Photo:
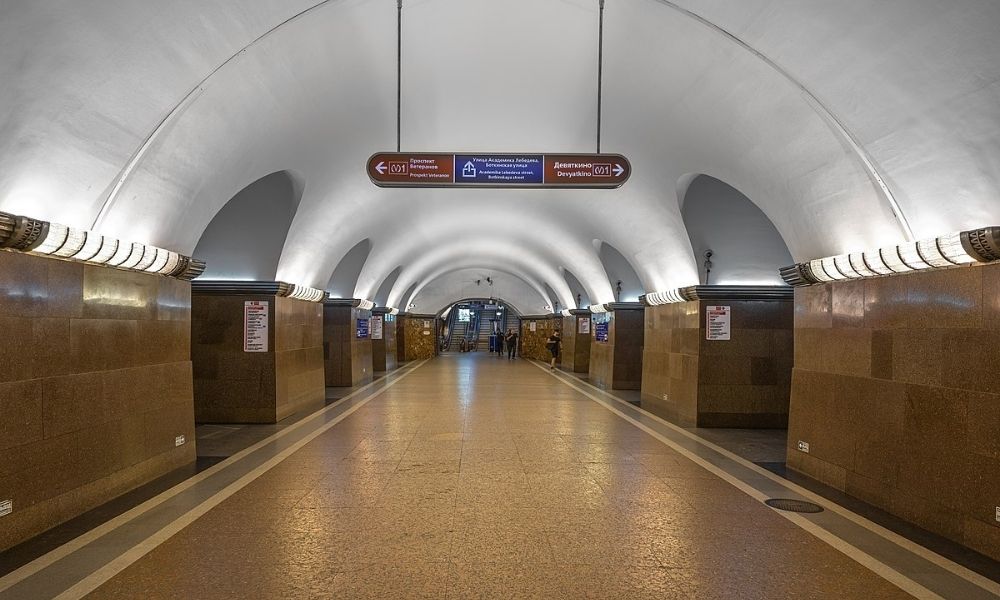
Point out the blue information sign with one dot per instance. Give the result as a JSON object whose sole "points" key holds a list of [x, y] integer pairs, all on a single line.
{"points": [[503, 169], [601, 331], [362, 329]]}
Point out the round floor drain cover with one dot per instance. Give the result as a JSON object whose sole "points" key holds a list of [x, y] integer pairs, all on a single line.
{"points": [[799, 506]]}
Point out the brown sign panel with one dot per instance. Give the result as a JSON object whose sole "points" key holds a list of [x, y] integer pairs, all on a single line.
{"points": [[586, 170], [405, 170], [499, 170]]}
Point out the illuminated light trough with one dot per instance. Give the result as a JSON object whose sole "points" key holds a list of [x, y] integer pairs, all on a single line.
{"points": [[952, 250], [34, 236]]}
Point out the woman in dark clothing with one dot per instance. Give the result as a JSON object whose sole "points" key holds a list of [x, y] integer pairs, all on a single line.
{"points": [[554, 345]]}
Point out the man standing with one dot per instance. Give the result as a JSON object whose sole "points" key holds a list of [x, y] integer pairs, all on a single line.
{"points": [[554, 345], [511, 339]]}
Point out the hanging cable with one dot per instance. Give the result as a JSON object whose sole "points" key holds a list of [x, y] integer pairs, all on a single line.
{"points": [[600, 70], [399, 72]]}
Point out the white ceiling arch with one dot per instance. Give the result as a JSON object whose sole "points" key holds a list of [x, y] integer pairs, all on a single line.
{"points": [[170, 109], [459, 284]]}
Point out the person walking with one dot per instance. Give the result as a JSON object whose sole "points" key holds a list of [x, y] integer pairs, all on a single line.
{"points": [[511, 339], [498, 343], [554, 346]]}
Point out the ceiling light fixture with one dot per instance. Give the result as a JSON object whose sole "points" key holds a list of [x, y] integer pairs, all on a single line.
{"points": [[952, 250], [34, 236]]}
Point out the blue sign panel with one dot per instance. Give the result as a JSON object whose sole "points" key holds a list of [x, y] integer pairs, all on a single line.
{"points": [[362, 329], [601, 331], [505, 169]]}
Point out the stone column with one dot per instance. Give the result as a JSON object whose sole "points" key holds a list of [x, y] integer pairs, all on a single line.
{"points": [[694, 378], [417, 337], [616, 362], [384, 348], [535, 332], [347, 344], [255, 369], [577, 337]]}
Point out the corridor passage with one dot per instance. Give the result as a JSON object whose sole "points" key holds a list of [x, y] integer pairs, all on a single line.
{"points": [[476, 477]]}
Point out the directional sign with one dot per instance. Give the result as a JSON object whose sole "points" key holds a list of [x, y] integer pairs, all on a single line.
{"points": [[394, 169]]}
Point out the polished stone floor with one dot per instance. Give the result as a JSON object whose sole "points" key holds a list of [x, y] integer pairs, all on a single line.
{"points": [[490, 479]]}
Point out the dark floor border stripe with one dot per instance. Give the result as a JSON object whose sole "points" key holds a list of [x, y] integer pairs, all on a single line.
{"points": [[915, 569], [80, 566]]}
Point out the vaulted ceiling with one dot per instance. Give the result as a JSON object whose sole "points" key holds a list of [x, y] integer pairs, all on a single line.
{"points": [[851, 125]]}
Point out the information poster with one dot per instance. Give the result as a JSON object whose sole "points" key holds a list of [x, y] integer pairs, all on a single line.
{"points": [[601, 331], [427, 324], [362, 333], [376, 328], [533, 326], [583, 325], [255, 326], [717, 326]]}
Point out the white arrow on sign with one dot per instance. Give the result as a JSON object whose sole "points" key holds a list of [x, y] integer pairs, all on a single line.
{"points": [[619, 170], [380, 168]]}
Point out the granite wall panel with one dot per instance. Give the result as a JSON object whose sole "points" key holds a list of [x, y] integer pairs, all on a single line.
{"points": [[233, 386], [348, 358], [617, 363], [384, 350], [741, 382], [95, 385], [576, 345], [895, 388]]}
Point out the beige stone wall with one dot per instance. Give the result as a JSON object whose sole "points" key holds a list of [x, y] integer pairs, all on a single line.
{"points": [[415, 343], [896, 390], [348, 359], [233, 386], [532, 343], [95, 385]]}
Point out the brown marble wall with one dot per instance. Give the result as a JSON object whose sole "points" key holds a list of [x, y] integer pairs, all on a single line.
{"points": [[576, 345], [95, 385], [384, 350], [416, 341], [895, 389], [348, 358], [532, 344], [670, 361], [742, 382], [617, 363], [233, 386]]}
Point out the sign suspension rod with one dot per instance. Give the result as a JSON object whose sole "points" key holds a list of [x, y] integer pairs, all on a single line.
{"points": [[600, 70]]}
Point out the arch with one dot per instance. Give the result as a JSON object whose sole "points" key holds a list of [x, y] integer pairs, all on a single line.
{"points": [[746, 247], [244, 239], [447, 288], [576, 288], [382, 294], [553, 298], [619, 269], [444, 310], [345, 277]]}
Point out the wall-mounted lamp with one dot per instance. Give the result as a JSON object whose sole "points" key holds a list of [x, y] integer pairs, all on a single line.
{"points": [[365, 304], [668, 297], [34, 236], [952, 250], [309, 294], [566, 312], [597, 308]]}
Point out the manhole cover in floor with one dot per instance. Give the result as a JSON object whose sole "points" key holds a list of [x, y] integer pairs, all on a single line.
{"points": [[800, 506]]}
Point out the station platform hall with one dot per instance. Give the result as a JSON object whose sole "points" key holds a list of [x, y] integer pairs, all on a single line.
{"points": [[609, 299]]}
